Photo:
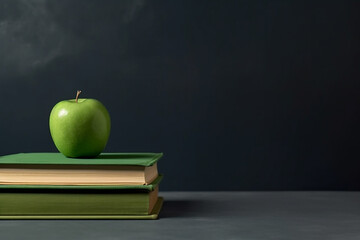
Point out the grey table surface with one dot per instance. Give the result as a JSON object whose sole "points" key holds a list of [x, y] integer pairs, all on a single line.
{"points": [[216, 215]]}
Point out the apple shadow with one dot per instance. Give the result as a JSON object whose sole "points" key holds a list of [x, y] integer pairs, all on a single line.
{"points": [[123, 156]]}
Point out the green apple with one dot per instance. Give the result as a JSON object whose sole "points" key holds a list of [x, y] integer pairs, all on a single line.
{"points": [[80, 127]]}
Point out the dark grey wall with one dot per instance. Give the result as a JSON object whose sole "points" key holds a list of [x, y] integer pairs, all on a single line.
{"points": [[239, 95]]}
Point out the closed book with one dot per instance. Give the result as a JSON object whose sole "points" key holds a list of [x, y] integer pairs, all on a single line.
{"points": [[152, 216], [112, 169], [75, 202]]}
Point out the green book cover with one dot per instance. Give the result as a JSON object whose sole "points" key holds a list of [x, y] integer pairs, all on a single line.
{"points": [[152, 216], [76, 202], [133, 159]]}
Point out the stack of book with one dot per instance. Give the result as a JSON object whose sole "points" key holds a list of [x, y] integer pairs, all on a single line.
{"points": [[51, 186]]}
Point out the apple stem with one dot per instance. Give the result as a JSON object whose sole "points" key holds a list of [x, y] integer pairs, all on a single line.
{"points": [[77, 95]]}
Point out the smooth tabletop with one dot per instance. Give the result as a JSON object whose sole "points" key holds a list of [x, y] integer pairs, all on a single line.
{"points": [[216, 215]]}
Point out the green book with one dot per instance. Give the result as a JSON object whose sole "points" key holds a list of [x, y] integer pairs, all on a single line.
{"points": [[56, 202], [153, 215], [148, 187], [112, 169]]}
